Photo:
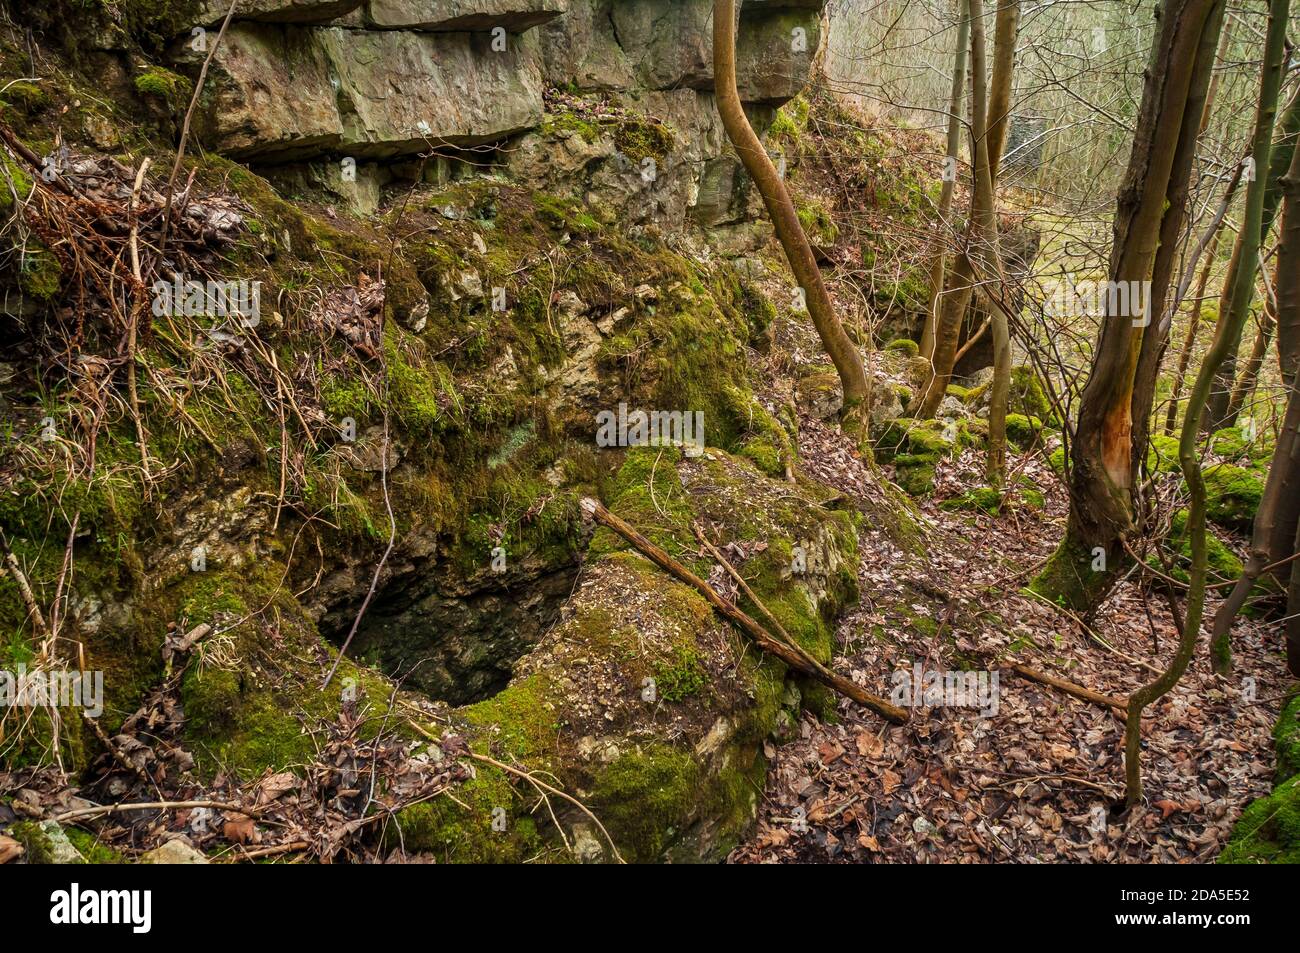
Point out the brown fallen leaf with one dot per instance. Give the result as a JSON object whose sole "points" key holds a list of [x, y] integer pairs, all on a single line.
{"points": [[10, 849], [239, 829]]}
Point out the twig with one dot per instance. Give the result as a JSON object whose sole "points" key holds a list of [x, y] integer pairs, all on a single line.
{"points": [[105, 809], [185, 129], [746, 623]]}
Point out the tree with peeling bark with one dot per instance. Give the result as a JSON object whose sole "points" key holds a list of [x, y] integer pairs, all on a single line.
{"points": [[839, 346], [1188, 445], [1111, 431]]}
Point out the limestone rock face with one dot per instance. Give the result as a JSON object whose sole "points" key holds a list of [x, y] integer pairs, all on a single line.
{"points": [[668, 44], [212, 12], [448, 15], [280, 92]]}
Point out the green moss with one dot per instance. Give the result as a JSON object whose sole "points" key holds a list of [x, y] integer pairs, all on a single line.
{"points": [[14, 180], [1269, 829], [91, 849], [458, 827], [170, 88], [643, 138], [1056, 460], [1023, 431], [1286, 740], [1232, 495], [646, 797], [521, 719], [648, 493], [1027, 396], [1231, 444], [817, 221], [27, 97], [40, 273], [1068, 578], [904, 346], [1222, 565], [984, 498], [681, 676], [36, 843], [1162, 455]]}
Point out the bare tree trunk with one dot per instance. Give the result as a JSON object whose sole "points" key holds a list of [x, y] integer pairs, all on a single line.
{"points": [[1084, 567], [950, 176], [1276, 518], [785, 220], [1188, 456], [981, 254], [1194, 318], [986, 226], [1262, 198], [1232, 319], [1155, 338], [1214, 235], [1245, 385], [1006, 31], [1287, 517]]}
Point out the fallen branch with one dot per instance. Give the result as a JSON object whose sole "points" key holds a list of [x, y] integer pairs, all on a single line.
{"points": [[82, 813], [746, 624], [1070, 688]]}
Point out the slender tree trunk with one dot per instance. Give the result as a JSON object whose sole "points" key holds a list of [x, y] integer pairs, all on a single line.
{"points": [[1232, 319], [986, 252], [1006, 32], [1245, 385], [1155, 338], [937, 266], [981, 253], [1293, 613], [1198, 305], [1084, 567], [785, 220], [1189, 457], [1262, 198], [1282, 540], [1214, 235], [1276, 518]]}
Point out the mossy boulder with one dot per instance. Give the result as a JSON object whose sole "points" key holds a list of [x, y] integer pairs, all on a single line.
{"points": [[1286, 740], [915, 448], [642, 700], [1222, 564], [1162, 455], [1023, 431], [1233, 494], [1242, 444], [1027, 396], [1269, 829]]}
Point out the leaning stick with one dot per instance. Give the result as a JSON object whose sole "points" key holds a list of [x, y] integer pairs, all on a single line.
{"points": [[1070, 688], [746, 624]]}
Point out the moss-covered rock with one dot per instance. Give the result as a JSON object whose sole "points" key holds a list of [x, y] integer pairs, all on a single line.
{"points": [[1222, 564], [641, 698], [1286, 740], [1027, 396], [1023, 431], [1233, 494], [1162, 455], [915, 448], [1269, 829]]}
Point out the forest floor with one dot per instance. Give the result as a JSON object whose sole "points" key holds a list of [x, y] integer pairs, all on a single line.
{"points": [[1035, 781]]}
